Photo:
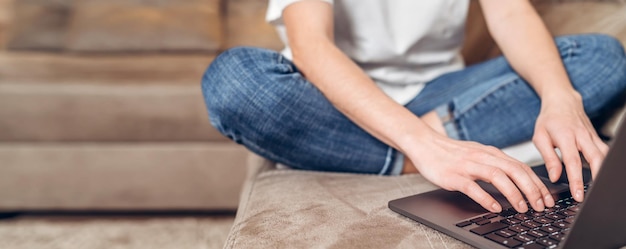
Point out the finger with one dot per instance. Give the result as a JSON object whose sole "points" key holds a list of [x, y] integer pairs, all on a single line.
{"points": [[591, 152], [573, 166], [535, 191], [500, 179], [548, 200], [476, 193], [601, 145], [546, 149], [528, 182], [604, 149]]}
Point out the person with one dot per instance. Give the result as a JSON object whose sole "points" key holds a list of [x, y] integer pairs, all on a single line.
{"points": [[379, 86]]}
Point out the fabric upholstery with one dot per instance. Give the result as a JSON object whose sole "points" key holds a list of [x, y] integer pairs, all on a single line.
{"points": [[120, 176], [303, 209]]}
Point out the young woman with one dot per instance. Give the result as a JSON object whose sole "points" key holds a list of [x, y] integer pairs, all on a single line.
{"points": [[379, 86]]}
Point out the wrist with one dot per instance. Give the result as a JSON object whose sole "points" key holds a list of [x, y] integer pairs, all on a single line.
{"points": [[411, 140], [418, 140], [551, 86], [560, 97]]}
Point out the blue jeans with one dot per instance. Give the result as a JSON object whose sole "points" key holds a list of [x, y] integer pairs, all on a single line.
{"points": [[259, 99]]}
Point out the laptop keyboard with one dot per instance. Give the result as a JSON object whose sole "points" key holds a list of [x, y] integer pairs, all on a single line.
{"points": [[526, 230]]}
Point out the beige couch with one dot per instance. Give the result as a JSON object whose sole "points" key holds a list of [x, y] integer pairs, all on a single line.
{"points": [[124, 128], [283, 208], [101, 108]]}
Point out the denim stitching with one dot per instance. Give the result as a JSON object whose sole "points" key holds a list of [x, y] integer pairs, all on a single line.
{"points": [[387, 161], [505, 81], [458, 114], [397, 165], [281, 60], [570, 46], [448, 121]]}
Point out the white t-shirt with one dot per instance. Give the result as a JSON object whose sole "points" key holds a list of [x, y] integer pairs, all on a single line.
{"points": [[400, 44]]}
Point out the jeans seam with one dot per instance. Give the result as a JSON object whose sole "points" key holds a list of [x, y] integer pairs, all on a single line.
{"points": [[397, 164], [570, 46], [458, 113], [388, 161], [281, 60], [511, 79], [449, 122]]}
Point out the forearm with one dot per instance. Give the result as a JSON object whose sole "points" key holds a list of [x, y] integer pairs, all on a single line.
{"points": [[562, 122], [354, 94], [530, 48], [310, 32]]}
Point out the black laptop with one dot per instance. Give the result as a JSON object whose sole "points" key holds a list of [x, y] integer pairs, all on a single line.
{"points": [[598, 222]]}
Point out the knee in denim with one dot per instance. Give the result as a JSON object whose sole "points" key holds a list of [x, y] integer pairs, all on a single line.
{"points": [[224, 88]]}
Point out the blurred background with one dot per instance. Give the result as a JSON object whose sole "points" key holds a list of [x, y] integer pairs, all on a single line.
{"points": [[104, 137]]}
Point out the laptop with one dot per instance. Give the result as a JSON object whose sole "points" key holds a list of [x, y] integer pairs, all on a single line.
{"points": [[598, 222]]}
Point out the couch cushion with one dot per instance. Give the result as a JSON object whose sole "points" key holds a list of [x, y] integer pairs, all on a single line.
{"points": [[74, 112], [246, 26], [38, 24], [585, 17], [145, 25], [120, 176], [117, 25], [284, 208], [57, 97], [561, 17]]}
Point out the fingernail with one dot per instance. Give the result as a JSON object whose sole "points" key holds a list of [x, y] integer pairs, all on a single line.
{"points": [[549, 200], [579, 195], [522, 206], [495, 208], [540, 205]]}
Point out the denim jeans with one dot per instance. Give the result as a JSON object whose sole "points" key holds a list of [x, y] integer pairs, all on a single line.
{"points": [[259, 99]]}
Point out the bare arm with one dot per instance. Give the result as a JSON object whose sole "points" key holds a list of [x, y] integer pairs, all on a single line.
{"points": [[453, 165], [562, 122], [310, 33]]}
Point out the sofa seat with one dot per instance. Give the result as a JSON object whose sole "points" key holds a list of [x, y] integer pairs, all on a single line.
{"points": [[285, 208]]}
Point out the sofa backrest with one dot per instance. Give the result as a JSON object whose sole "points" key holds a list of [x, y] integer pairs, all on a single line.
{"points": [[560, 16]]}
